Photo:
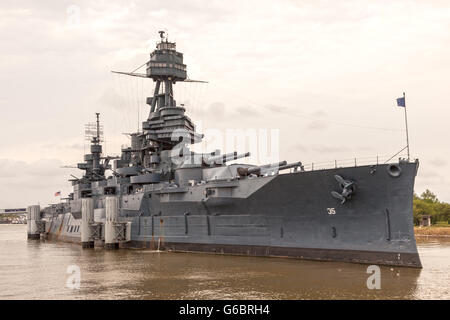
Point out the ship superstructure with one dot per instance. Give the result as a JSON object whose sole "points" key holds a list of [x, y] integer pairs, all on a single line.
{"points": [[162, 195]]}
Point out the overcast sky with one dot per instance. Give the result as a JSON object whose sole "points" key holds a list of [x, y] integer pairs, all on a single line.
{"points": [[324, 73]]}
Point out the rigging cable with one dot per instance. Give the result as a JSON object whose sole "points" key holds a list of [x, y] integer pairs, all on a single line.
{"points": [[314, 118]]}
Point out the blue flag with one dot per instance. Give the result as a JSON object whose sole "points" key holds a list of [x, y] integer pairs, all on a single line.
{"points": [[401, 102]]}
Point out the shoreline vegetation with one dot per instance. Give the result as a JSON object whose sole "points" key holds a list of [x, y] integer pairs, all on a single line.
{"points": [[428, 209]]}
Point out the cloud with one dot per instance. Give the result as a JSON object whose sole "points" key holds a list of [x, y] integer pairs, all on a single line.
{"points": [[428, 175], [300, 147], [24, 183], [434, 180], [317, 125], [246, 112], [438, 162], [58, 146], [319, 114], [112, 99], [275, 108], [330, 149], [18, 170], [216, 109], [158, 13], [217, 112]]}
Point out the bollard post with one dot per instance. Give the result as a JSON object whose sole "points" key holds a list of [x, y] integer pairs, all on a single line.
{"points": [[112, 216], [87, 218]]}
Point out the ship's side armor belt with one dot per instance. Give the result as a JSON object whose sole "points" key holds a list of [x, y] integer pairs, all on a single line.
{"points": [[348, 188]]}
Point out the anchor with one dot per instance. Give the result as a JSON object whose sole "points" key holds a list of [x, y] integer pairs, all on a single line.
{"points": [[348, 188]]}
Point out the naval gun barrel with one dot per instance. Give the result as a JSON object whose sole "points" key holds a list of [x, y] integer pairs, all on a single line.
{"points": [[268, 168], [283, 166], [273, 165], [257, 170], [292, 165], [221, 159]]}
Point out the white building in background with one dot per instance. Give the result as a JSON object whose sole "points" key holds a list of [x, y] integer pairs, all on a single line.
{"points": [[18, 211]]}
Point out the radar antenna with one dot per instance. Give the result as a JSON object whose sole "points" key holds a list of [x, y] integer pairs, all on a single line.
{"points": [[98, 126], [161, 34], [93, 131]]}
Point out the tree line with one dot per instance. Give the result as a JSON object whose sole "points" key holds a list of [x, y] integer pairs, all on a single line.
{"points": [[428, 204]]}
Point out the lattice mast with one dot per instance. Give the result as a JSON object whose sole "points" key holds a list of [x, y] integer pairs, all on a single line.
{"points": [[92, 166]]}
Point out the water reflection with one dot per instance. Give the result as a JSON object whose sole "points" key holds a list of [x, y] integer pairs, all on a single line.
{"points": [[37, 270]]}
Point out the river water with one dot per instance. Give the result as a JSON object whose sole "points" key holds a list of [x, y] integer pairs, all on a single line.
{"points": [[49, 270]]}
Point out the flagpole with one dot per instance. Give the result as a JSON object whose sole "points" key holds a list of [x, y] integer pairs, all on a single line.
{"points": [[406, 123]]}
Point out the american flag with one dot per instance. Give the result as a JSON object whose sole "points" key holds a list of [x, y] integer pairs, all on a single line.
{"points": [[57, 194]]}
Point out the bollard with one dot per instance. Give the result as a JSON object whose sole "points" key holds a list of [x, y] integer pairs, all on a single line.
{"points": [[33, 217], [87, 218], [112, 216]]}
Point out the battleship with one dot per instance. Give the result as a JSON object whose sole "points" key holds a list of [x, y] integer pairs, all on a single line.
{"points": [[163, 196]]}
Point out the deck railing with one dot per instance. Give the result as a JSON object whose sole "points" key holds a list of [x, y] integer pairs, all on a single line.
{"points": [[350, 162]]}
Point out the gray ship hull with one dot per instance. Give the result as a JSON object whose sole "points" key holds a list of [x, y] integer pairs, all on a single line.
{"points": [[285, 215]]}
